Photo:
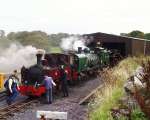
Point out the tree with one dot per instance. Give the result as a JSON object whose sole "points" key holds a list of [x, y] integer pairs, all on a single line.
{"points": [[55, 39], [37, 39], [136, 34], [147, 36]]}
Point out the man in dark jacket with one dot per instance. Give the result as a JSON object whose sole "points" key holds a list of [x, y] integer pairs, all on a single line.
{"points": [[63, 80]]}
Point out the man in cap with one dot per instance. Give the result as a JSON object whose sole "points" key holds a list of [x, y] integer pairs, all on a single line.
{"points": [[63, 80]]}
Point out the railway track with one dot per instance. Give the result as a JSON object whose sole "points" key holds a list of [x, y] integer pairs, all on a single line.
{"points": [[10, 110], [3, 95], [86, 99]]}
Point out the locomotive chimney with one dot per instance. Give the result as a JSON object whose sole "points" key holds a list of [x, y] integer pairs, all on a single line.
{"points": [[39, 55], [79, 50], [39, 59]]}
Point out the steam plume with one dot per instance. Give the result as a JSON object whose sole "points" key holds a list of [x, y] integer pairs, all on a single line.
{"points": [[15, 56], [72, 43]]}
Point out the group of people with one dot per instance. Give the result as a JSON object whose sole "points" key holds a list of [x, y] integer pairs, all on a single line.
{"points": [[49, 83], [12, 86]]}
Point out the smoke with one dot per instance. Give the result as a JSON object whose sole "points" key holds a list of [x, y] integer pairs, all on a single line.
{"points": [[72, 43], [15, 56]]}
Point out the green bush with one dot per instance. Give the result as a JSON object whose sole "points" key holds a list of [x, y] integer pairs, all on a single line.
{"points": [[138, 115]]}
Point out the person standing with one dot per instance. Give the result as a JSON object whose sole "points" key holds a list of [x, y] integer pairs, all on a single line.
{"points": [[49, 83], [63, 80], [12, 88]]}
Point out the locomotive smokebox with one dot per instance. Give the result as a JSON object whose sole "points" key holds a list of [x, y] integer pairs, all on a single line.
{"points": [[79, 50], [39, 55]]}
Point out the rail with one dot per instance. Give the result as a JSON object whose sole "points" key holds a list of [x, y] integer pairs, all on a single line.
{"points": [[3, 95], [9, 110], [86, 99]]}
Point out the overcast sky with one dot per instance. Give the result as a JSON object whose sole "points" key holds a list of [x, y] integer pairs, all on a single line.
{"points": [[75, 16]]}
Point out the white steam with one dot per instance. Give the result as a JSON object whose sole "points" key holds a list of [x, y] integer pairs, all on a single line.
{"points": [[72, 43], [15, 56]]}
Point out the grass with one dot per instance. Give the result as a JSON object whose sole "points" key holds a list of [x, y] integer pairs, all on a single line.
{"points": [[102, 112], [114, 80]]}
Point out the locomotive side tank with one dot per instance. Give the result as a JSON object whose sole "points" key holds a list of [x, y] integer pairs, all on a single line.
{"points": [[93, 59]]}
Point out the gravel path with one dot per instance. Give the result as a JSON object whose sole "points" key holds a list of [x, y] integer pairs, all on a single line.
{"points": [[67, 104]]}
